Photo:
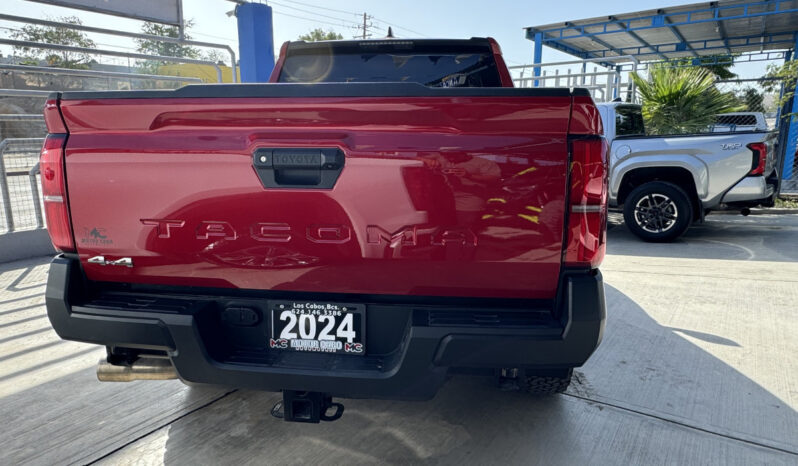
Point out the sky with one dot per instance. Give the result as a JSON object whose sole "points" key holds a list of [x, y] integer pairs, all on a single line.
{"points": [[503, 20]]}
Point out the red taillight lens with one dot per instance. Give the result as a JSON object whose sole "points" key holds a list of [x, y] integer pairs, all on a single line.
{"points": [[494, 46], [587, 215], [760, 150], [51, 166]]}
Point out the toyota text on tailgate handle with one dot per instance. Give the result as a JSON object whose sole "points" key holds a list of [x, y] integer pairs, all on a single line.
{"points": [[305, 168]]}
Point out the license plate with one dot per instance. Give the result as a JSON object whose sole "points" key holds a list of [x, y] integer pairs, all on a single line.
{"points": [[318, 327]]}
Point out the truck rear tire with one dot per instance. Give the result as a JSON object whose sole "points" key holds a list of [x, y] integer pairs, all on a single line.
{"points": [[658, 211], [549, 384]]}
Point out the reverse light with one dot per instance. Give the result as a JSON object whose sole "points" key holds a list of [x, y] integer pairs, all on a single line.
{"points": [[760, 159], [587, 207], [51, 166]]}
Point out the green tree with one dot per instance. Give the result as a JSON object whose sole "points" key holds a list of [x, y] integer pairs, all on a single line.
{"points": [[752, 99], [166, 49], [718, 65], [787, 76], [54, 35], [215, 56], [720, 70], [320, 34], [680, 100]]}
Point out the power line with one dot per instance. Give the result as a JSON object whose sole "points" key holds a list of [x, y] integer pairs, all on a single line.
{"points": [[312, 12], [395, 26], [310, 19], [399, 27], [324, 8], [212, 36]]}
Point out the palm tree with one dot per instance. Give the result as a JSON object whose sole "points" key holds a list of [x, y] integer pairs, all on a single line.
{"points": [[680, 100]]}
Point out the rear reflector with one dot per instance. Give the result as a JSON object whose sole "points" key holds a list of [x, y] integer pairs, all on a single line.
{"points": [[587, 216], [51, 166], [760, 150]]}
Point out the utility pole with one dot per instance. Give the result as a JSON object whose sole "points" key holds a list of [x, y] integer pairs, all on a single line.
{"points": [[366, 25]]}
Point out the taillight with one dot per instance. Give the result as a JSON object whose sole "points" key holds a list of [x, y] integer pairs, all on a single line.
{"points": [[760, 150], [587, 209], [52, 117], [51, 166], [494, 46]]}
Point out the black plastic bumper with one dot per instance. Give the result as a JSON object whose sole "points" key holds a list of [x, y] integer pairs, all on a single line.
{"points": [[416, 346]]}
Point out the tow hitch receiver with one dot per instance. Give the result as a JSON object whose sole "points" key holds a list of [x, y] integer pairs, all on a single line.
{"points": [[306, 407]]}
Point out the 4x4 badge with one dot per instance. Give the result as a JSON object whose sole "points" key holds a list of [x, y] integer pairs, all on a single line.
{"points": [[100, 260]]}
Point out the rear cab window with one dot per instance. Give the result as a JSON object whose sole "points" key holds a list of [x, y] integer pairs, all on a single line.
{"points": [[438, 64], [629, 121]]}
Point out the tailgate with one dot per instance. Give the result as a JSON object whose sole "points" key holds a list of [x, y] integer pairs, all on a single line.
{"points": [[437, 195]]}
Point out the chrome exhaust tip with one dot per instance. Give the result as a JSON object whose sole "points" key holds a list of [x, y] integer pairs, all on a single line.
{"points": [[141, 369]]}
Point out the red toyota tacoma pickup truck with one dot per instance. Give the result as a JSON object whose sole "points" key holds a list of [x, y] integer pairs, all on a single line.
{"points": [[407, 216]]}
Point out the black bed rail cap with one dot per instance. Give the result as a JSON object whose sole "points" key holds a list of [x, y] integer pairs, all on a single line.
{"points": [[281, 90]]}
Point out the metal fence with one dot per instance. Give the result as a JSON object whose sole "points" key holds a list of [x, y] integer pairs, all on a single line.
{"points": [[24, 88], [753, 105], [20, 192], [23, 91], [764, 95], [755, 95], [604, 83], [19, 77], [789, 185]]}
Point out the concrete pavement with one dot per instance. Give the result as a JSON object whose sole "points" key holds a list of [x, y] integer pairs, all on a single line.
{"points": [[697, 366]]}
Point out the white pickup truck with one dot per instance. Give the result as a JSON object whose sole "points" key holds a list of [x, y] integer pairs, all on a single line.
{"points": [[664, 183]]}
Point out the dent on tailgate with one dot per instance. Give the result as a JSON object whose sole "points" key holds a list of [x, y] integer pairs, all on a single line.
{"points": [[460, 196]]}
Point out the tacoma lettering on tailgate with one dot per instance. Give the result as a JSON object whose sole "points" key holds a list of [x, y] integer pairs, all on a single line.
{"points": [[320, 233]]}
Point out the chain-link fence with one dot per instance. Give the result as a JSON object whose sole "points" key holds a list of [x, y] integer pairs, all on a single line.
{"points": [[752, 96], [764, 95], [727, 107], [789, 185]]}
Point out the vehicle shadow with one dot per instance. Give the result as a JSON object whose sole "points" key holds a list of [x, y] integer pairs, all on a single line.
{"points": [[53, 409], [647, 396], [720, 236]]}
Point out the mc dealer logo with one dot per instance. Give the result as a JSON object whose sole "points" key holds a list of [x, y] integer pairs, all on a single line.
{"points": [[318, 233], [332, 345]]}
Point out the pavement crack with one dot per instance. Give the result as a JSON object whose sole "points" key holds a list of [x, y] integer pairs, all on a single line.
{"points": [[719, 277], [683, 424], [159, 427]]}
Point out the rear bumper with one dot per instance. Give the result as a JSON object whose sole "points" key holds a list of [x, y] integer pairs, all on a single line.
{"points": [[750, 188], [415, 352]]}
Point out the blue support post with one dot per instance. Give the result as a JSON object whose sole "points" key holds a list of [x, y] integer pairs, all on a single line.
{"points": [[255, 42], [791, 142], [538, 57]]}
